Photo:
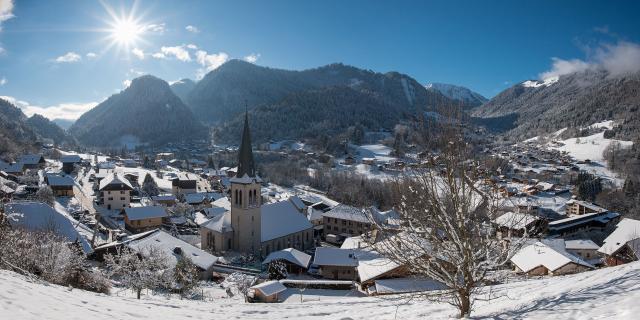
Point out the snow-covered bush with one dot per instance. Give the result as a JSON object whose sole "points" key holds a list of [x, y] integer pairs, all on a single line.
{"points": [[138, 271], [186, 275], [277, 270], [45, 194]]}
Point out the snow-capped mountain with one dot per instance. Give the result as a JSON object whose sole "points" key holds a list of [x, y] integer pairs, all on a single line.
{"points": [[465, 95]]}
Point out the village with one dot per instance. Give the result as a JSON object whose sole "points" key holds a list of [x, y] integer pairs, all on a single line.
{"points": [[270, 243]]}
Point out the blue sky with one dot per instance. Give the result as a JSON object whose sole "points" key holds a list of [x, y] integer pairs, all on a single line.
{"points": [[61, 57]]}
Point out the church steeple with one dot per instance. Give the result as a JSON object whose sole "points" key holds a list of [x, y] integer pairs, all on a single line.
{"points": [[245, 154]]}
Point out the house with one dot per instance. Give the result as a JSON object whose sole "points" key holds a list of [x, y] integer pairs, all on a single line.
{"points": [[12, 168], [513, 224], [349, 160], [115, 192], [176, 249], [345, 221], [140, 219], [62, 186], [69, 161], [337, 264], [165, 200], [37, 216], [597, 221], [585, 249], [623, 244], [201, 199], [184, 183], [547, 257], [295, 260], [267, 291], [578, 207], [251, 226], [32, 161]]}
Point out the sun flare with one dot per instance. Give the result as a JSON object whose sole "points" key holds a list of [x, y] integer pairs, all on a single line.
{"points": [[126, 32]]}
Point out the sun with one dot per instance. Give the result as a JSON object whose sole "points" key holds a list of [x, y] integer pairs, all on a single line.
{"points": [[126, 32]]}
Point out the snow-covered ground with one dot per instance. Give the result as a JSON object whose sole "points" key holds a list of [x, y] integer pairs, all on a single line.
{"points": [[610, 293], [378, 151], [590, 147]]}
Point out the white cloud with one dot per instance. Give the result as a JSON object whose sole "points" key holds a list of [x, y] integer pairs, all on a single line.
{"points": [[616, 59], [126, 83], [138, 53], [192, 29], [209, 61], [252, 57], [68, 57], [6, 10], [179, 52], [91, 55], [134, 73], [3, 81], [155, 28], [69, 111], [192, 46]]}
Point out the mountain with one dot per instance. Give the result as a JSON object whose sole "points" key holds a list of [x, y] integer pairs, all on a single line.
{"points": [[182, 88], [46, 128], [569, 101], [223, 93], [63, 123], [464, 95], [147, 112]]}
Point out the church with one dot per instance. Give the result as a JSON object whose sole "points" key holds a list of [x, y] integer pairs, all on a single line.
{"points": [[249, 225]]}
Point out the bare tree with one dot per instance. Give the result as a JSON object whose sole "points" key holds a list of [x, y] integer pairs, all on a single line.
{"points": [[138, 270], [446, 234], [45, 194]]}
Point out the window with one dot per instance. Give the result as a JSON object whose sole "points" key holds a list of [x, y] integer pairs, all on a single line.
{"points": [[122, 198], [240, 197], [344, 222], [121, 192], [236, 196], [110, 198]]}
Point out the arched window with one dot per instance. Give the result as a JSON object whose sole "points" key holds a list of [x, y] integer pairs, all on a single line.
{"points": [[236, 197], [240, 197], [250, 197]]}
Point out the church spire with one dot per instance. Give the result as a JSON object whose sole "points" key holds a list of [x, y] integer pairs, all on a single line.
{"points": [[245, 155]]}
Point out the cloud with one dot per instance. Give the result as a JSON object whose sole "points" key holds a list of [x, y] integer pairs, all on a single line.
{"points": [[192, 46], [252, 57], [134, 73], [6, 10], [616, 59], [3, 81], [91, 55], [155, 28], [209, 61], [69, 111], [192, 29], [68, 57], [179, 52], [126, 83], [138, 53]]}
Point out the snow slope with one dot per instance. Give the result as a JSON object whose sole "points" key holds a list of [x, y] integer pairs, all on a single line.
{"points": [[610, 293], [590, 147]]}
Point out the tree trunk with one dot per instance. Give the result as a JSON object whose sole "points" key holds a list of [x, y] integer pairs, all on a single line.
{"points": [[138, 292], [465, 303]]}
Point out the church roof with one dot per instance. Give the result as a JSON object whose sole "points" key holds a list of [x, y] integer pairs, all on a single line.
{"points": [[246, 165]]}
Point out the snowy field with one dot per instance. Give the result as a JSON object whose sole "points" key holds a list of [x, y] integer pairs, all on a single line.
{"points": [[610, 293], [378, 151], [590, 147]]}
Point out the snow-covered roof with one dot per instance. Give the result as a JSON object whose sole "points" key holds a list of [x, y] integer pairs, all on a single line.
{"points": [[588, 205], [245, 179], [345, 212], [115, 181], [11, 168], [627, 230], [222, 203], [297, 202], [514, 220], [220, 222], [580, 244], [335, 257], [55, 180], [70, 158], [280, 219], [544, 254], [30, 159], [148, 212], [164, 197], [292, 255], [199, 197], [371, 264], [270, 288], [168, 244], [407, 285], [38, 216]]}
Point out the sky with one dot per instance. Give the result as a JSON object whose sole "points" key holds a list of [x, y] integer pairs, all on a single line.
{"points": [[60, 58]]}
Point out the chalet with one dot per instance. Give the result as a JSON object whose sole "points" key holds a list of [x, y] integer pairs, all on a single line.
{"points": [[69, 162], [12, 168], [296, 261], [547, 257], [585, 249], [345, 221], [32, 161], [337, 264], [115, 192], [184, 183], [139, 219], [596, 221], [62, 186], [349, 160], [267, 291], [369, 161], [513, 224], [623, 244], [578, 207]]}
